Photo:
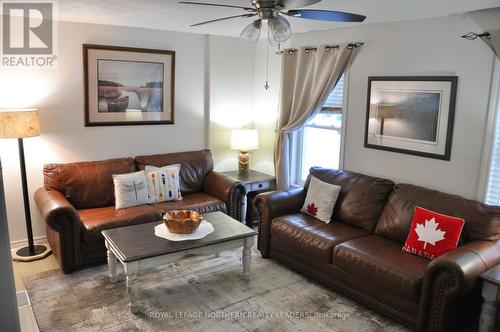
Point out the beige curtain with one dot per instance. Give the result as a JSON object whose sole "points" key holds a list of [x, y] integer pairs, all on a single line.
{"points": [[308, 77]]}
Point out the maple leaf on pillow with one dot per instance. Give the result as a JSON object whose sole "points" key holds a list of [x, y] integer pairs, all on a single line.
{"points": [[429, 233], [312, 209]]}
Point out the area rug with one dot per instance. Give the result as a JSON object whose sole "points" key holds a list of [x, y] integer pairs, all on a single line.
{"points": [[200, 294]]}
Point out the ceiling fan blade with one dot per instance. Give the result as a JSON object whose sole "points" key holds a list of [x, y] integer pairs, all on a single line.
{"points": [[216, 5], [325, 15], [223, 18], [296, 3]]}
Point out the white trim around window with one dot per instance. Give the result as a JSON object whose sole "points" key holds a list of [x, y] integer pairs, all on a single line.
{"points": [[344, 118], [491, 130]]}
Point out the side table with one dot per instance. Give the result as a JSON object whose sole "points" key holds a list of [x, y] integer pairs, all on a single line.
{"points": [[254, 182], [491, 295]]}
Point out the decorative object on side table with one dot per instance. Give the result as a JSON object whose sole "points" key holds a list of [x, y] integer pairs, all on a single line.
{"points": [[491, 294], [23, 123], [412, 115], [128, 86], [244, 140], [255, 183]]}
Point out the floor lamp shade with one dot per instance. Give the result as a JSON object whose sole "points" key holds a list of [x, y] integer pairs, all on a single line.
{"points": [[19, 123], [23, 123]]}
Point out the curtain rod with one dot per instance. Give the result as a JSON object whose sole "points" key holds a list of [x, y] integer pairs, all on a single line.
{"points": [[327, 47], [473, 35]]}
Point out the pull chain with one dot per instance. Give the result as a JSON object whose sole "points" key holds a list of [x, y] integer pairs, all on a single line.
{"points": [[267, 67]]}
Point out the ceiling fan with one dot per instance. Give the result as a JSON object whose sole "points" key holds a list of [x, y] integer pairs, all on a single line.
{"points": [[273, 12]]}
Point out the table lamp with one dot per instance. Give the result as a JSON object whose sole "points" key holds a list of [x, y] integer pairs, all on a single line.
{"points": [[244, 140], [23, 123]]}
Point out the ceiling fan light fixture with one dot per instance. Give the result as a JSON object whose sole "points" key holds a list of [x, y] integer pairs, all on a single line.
{"points": [[252, 31], [280, 29]]}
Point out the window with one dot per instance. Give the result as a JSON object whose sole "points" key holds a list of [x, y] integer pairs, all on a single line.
{"points": [[320, 140], [493, 185]]}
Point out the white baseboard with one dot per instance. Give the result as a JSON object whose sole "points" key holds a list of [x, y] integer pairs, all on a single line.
{"points": [[14, 245]]}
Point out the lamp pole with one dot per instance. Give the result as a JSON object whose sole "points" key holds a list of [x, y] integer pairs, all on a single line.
{"points": [[26, 199]]}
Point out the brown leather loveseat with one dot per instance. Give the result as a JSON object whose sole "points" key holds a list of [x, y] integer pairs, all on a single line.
{"points": [[77, 201], [360, 252]]}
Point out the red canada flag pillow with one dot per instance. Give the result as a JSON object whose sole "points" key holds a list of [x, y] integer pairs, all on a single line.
{"points": [[433, 234]]}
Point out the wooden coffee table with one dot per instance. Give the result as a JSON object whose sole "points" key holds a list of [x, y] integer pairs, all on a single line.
{"points": [[138, 248]]}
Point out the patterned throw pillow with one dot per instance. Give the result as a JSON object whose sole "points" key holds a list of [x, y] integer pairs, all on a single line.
{"points": [[432, 234], [130, 189], [320, 199], [163, 183]]}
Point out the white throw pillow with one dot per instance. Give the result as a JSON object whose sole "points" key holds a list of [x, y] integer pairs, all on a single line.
{"points": [[131, 189], [320, 199], [163, 183]]}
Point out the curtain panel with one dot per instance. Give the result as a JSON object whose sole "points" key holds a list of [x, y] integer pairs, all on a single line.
{"points": [[308, 77]]}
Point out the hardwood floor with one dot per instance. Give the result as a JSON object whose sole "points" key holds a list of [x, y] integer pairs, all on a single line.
{"points": [[24, 269]]}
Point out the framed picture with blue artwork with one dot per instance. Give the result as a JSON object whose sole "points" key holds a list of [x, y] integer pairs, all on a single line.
{"points": [[412, 115], [128, 86]]}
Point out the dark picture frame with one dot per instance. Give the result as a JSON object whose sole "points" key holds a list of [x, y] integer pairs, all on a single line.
{"points": [[411, 114], [127, 86]]}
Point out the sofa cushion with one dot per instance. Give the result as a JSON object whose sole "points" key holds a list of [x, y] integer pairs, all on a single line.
{"points": [[433, 234], [482, 222], [96, 220], [195, 165], [200, 202], [320, 199], [131, 189], [312, 236], [87, 184], [383, 264], [361, 197]]}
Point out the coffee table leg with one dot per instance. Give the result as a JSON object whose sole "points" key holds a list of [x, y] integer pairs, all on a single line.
{"points": [[111, 263], [247, 257], [131, 270]]}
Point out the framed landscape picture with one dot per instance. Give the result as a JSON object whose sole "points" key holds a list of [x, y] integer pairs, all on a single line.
{"points": [[412, 115], [128, 86]]}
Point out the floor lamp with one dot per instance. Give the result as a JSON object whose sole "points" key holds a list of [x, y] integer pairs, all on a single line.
{"points": [[23, 123]]}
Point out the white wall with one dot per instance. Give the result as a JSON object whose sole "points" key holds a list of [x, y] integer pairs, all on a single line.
{"points": [[266, 105], [422, 47], [231, 95], [58, 93]]}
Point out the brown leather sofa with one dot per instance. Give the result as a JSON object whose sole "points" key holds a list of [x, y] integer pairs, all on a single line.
{"points": [[77, 201], [359, 253]]}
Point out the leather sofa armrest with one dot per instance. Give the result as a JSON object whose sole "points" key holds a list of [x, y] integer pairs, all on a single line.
{"points": [[455, 274], [51, 203], [274, 204], [466, 263], [63, 219], [227, 190]]}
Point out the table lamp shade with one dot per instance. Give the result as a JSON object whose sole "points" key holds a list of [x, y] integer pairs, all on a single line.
{"points": [[19, 123], [244, 140]]}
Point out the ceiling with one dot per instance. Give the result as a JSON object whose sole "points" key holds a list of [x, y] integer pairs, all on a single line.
{"points": [[169, 15]]}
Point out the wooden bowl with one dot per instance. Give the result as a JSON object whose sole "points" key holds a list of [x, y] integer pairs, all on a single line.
{"points": [[182, 221]]}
